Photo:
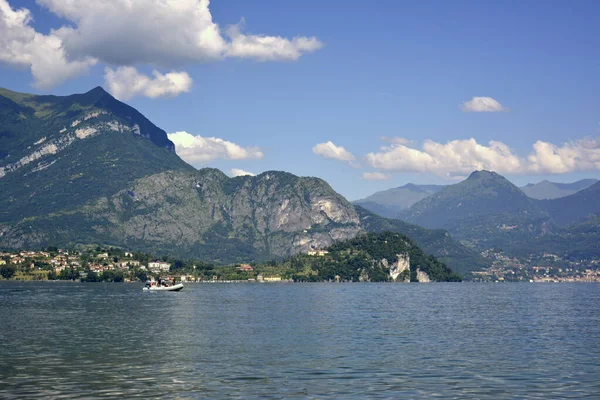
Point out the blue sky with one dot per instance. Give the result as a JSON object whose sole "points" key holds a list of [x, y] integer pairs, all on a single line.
{"points": [[384, 69]]}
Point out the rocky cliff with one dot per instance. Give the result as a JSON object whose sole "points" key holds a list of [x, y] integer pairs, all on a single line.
{"points": [[203, 214]]}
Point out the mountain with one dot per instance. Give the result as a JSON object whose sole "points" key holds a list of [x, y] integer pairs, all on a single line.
{"points": [[59, 152], [202, 214], [485, 210], [87, 168], [552, 190], [575, 208], [388, 203], [436, 242]]}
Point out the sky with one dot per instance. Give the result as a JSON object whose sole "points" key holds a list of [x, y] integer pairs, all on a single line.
{"points": [[366, 95]]}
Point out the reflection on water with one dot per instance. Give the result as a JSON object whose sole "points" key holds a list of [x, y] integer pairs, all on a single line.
{"points": [[71, 340]]}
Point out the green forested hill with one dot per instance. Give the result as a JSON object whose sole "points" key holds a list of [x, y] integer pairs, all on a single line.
{"points": [[375, 257], [436, 242]]}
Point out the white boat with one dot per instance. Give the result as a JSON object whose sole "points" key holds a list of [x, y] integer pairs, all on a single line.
{"points": [[155, 288]]}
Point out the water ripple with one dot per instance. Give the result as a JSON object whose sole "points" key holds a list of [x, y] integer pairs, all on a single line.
{"points": [[380, 341]]}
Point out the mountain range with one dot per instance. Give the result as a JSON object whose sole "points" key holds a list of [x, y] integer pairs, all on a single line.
{"points": [[546, 190], [389, 203], [487, 211], [392, 202], [89, 169]]}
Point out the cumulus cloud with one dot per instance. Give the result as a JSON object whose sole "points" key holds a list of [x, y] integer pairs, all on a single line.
{"points": [[127, 82], [44, 55], [453, 158], [268, 48], [580, 155], [460, 157], [375, 176], [483, 104], [330, 150], [168, 34], [240, 172], [200, 150]]}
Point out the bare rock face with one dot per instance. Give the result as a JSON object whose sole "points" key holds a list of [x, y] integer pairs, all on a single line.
{"points": [[273, 214], [422, 276], [402, 264]]}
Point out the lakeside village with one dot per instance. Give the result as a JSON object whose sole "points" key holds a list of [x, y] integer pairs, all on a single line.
{"points": [[116, 265], [546, 267]]}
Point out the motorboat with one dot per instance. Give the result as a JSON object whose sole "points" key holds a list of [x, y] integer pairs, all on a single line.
{"points": [[164, 286]]}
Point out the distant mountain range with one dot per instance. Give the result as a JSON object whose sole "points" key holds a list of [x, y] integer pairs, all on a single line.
{"points": [[389, 203], [89, 169], [547, 190], [487, 211]]}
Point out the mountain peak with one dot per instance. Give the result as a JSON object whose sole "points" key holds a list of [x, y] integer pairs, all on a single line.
{"points": [[484, 174], [97, 90]]}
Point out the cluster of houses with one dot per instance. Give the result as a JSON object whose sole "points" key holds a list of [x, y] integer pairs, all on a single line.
{"points": [[62, 259]]}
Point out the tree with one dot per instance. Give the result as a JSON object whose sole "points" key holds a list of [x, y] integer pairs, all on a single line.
{"points": [[7, 271]]}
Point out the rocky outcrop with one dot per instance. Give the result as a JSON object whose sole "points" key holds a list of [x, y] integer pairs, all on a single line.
{"points": [[422, 276], [397, 268]]}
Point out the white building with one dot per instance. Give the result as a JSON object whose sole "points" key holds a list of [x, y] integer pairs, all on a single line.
{"points": [[158, 266]]}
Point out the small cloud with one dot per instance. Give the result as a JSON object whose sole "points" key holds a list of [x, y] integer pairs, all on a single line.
{"points": [[330, 150], [483, 104], [375, 176], [126, 82], [396, 140], [200, 150], [240, 172]]}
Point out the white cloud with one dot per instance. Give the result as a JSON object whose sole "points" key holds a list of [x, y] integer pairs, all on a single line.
{"points": [[268, 48], [127, 82], [453, 158], [240, 172], [375, 176], [200, 150], [164, 33], [483, 104], [580, 155], [396, 140], [460, 157], [22, 47], [330, 150]]}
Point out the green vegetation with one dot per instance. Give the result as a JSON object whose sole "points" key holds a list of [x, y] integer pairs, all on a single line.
{"points": [[436, 242], [368, 257]]}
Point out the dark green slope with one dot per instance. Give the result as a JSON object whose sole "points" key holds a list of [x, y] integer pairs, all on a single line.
{"points": [[436, 242], [63, 170], [575, 208], [486, 210], [364, 249]]}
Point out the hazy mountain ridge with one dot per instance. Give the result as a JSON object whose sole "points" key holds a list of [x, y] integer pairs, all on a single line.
{"points": [[487, 211], [547, 190], [388, 203], [392, 202]]}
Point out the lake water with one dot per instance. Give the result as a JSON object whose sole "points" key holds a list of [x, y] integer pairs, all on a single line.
{"points": [[388, 341]]}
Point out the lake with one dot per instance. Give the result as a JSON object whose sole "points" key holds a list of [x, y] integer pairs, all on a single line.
{"points": [[354, 340]]}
